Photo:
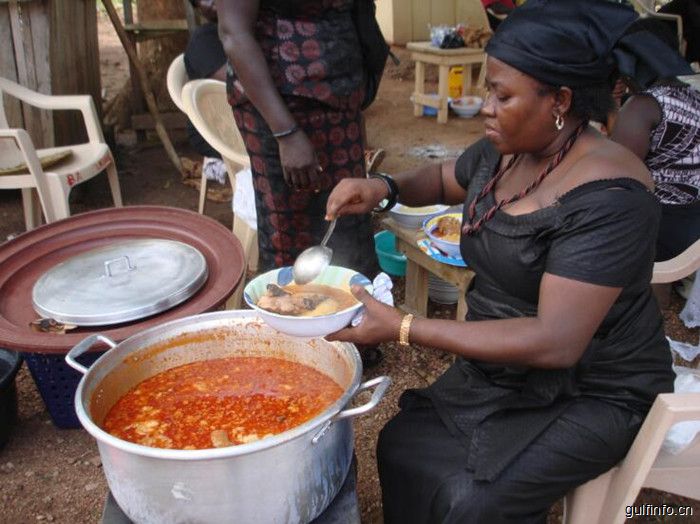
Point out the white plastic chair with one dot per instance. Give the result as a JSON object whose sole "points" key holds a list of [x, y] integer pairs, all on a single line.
{"points": [[176, 80], [645, 10], [206, 105], [680, 266], [54, 183], [473, 13], [603, 500]]}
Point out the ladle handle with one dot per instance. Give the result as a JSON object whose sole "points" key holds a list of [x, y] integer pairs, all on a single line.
{"points": [[328, 234]]}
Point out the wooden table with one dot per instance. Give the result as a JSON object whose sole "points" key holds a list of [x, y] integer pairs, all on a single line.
{"points": [[419, 265], [425, 53]]}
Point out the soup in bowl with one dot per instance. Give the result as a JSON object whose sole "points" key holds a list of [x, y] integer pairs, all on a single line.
{"points": [[413, 217], [316, 309]]}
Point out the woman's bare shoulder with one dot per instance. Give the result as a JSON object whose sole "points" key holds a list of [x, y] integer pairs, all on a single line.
{"points": [[605, 159]]}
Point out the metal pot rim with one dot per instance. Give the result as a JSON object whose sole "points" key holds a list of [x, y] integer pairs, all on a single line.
{"points": [[176, 327]]}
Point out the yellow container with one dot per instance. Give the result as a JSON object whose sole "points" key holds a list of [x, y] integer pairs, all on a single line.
{"points": [[454, 81]]}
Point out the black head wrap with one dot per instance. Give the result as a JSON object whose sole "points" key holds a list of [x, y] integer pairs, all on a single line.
{"points": [[562, 42], [648, 51]]}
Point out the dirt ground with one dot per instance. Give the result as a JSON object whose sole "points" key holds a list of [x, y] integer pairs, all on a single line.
{"points": [[54, 475]]}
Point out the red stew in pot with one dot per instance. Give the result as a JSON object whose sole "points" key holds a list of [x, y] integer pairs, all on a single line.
{"points": [[221, 402]]}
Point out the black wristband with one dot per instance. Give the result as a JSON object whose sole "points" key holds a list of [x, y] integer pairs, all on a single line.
{"points": [[393, 195], [286, 132]]}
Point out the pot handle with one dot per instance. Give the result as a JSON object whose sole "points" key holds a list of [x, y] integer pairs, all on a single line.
{"points": [[83, 346], [382, 384]]}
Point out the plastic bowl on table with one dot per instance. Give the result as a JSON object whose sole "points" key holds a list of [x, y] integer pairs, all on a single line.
{"points": [[390, 260], [319, 326], [451, 249], [413, 217], [466, 106], [428, 110]]}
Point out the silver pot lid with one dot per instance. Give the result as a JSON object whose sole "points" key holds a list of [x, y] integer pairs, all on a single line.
{"points": [[119, 283]]}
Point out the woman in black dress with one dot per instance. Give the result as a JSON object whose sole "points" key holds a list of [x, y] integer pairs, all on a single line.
{"points": [[563, 351]]}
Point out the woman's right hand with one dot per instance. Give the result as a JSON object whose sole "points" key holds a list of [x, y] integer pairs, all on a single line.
{"points": [[355, 196], [299, 162]]}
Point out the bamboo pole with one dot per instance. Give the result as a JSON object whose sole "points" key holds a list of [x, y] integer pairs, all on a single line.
{"points": [[145, 86]]}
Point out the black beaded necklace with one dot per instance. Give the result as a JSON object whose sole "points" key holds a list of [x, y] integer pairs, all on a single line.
{"points": [[472, 227]]}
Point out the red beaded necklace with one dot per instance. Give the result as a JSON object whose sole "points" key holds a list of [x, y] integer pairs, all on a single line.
{"points": [[472, 227]]}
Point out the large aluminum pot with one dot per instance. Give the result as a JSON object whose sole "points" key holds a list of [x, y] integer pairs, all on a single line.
{"points": [[288, 478]]}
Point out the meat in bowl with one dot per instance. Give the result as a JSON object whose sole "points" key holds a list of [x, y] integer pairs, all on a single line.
{"points": [[308, 300]]}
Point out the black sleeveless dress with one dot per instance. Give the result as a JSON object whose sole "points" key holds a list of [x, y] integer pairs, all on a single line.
{"points": [[494, 443]]}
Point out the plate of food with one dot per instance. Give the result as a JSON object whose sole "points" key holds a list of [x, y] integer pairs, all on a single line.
{"points": [[443, 232], [429, 249], [316, 309]]}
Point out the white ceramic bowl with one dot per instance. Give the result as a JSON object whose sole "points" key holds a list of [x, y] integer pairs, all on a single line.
{"points": [[451, 249], [466, 106], [413, 217], [442, 292], [334, 276]]}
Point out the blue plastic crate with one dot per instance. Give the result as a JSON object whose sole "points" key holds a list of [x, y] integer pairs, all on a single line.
{"points": [[57, 382]]}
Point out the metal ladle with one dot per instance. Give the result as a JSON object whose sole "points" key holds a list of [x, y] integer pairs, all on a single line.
{"points": [[313, 260]]}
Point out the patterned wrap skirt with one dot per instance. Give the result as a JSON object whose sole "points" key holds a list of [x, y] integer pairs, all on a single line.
{"points": [[289, 221]]}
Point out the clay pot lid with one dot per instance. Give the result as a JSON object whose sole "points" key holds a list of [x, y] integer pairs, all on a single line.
{"points": [[26, 258]]}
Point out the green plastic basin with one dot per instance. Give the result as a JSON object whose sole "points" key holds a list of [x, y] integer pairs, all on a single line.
{"points": [[390, 260]]}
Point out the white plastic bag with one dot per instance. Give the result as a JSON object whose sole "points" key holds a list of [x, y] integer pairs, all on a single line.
{"points": [[382, 285], [690, 315], [681, 435], [244, 198]]}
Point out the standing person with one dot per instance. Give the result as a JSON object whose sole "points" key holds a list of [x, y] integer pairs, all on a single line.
{"points": [[563, 350], [660, 123], [299, 65]]}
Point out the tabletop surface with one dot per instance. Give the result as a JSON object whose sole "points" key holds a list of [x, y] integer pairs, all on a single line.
{"points": [[427, 47]]}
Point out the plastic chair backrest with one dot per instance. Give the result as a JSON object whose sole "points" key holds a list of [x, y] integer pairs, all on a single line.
{"points": [[472, 12], [644, 10], [207, 106], [176, 80], [678, 267]]}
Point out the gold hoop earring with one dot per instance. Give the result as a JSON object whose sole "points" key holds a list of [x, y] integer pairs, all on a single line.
{"points": [[559, 122]]}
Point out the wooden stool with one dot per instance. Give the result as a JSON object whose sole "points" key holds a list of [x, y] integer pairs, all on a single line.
{"points": [[425, 53], [419, 265]]}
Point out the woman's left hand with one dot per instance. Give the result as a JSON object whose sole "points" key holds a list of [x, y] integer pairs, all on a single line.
{"points": [[381, 323], [300, 165]]}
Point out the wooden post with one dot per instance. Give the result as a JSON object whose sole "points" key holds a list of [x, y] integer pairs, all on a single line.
{"points": [[145, 87]]}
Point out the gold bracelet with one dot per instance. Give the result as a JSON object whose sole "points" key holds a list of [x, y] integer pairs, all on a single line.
{"points": [[405, 329]]}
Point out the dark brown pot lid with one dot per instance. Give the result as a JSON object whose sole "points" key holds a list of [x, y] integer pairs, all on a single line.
{"points": [[24, 259], [125, 281]]}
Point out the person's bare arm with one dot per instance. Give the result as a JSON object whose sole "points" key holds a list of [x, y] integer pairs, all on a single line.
{"points": [[219, 74], [568, 316], [435, 183], [430, 184], [237, 20], [634, 123]]}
